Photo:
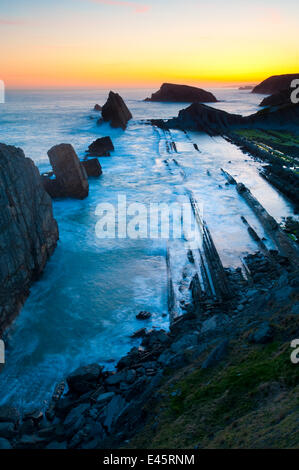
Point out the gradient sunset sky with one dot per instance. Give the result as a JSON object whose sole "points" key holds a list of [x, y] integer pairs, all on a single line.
{"points": [[108, 43]]}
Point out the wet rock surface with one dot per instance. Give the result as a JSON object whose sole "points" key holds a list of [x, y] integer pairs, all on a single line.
{"points": [[101, 147], [105, 409], [28, 230], [70, 176], [92, 167]]}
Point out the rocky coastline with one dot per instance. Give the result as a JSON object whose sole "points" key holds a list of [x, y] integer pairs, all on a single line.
{"points": [[96, 408], [222, 363]]}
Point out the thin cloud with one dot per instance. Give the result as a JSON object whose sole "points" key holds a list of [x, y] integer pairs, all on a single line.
{"points": [[10, 22], [136, 7]]}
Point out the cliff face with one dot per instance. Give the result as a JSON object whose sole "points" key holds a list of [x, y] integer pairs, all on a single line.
{"points": [[170, 92], [275, 84], [28, 231], [203, 118], [277, 99]]}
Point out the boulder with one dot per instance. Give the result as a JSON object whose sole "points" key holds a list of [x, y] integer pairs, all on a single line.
{"points": [[263, 334], [275, 83], [85, 378], [115, 111], [113, 411], [92, 167], [28, 230], [4, 444], [7, 430], [143, 315], [71, 178], [9, 414], [139, 333], [101, 147], [216, 355], [170, 92], [97, 108]]}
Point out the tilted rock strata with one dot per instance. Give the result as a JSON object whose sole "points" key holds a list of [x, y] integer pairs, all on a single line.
{"points": [[28, 231]]}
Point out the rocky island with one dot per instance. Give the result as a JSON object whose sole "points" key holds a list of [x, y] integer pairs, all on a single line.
{"points": [[170, 92]]}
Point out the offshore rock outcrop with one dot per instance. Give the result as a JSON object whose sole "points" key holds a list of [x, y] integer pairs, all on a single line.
{"points": [[202, 118], [71, 178], [170, 92], [275, 84], [92, 167], [28, 230], [116, 111], [101, 147]]}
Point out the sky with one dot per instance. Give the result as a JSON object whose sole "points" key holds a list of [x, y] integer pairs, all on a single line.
{"points": [[141, 43]]}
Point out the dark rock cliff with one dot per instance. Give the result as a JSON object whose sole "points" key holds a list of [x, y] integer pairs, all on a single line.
{"points": [[28, 231], [277, 99], [203, 118], [199, 117], [276, 83]]}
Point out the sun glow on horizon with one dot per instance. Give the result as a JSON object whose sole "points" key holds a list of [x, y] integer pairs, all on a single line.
{"points": [[142, 44]]}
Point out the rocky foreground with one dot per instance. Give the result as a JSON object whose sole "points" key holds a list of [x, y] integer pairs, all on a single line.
{"points": [[221, 377], [223, 367], [28, 230]]}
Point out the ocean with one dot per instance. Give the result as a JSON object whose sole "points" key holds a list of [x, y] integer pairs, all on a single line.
{"points": [[83, 308]]}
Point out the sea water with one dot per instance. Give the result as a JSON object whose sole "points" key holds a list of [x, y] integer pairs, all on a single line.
{"points": [[83, 309]]}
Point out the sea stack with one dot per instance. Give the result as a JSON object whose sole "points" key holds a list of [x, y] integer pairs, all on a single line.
{"points": [[170, 92], [28, 230], [116, 111], [71, 178]]}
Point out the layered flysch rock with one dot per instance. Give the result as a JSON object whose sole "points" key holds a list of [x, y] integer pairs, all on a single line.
{"points": [[116, 111], [71, 178], [202, 118], [275, 83], [28, 231], [170, 92], [199, 117]]}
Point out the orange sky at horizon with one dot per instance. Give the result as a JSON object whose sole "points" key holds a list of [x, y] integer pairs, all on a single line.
{"points": [[93, 43]]}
